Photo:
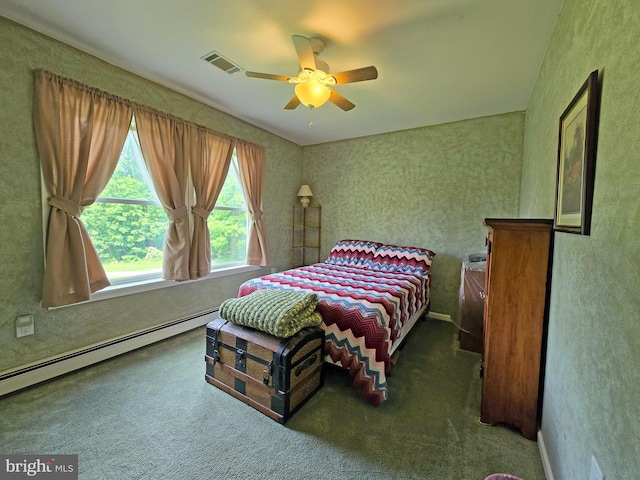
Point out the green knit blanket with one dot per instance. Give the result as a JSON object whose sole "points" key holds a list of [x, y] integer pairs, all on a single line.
{"points": [[279, 312]]}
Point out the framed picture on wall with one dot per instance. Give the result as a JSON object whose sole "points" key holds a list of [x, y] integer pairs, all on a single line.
{"points": [[576, 160]]}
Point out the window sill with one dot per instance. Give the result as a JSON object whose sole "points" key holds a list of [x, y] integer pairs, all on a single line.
{"points": [[114, 291]]}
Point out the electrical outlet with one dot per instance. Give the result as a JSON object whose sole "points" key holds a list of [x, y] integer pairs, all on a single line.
{"points": [[596, 473], [25, 325]]}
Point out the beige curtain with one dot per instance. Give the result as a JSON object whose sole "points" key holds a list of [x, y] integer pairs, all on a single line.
{"points": [[80, 133], [251, 166], [163, 142], [210, 158]]}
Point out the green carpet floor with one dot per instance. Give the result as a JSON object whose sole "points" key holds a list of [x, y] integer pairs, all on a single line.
{"points": [[150, 414]]}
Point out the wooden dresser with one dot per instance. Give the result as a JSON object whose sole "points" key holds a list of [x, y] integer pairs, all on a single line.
{"points": [[519, 253]]}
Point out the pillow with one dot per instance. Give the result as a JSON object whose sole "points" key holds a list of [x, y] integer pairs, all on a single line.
{"points": [[353, 253], [395, 258]]}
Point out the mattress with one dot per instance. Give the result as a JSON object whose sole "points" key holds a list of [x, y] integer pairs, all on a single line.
{"points": [[366, 313]]}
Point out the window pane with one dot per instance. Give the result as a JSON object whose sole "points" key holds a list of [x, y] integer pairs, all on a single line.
{"points": [[231, 193], [128, 238], [228, 222], [228, 234], [130, 178]]}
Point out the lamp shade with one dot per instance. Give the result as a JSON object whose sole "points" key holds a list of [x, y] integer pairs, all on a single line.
{"points": [[312, 93], [305, 191]]}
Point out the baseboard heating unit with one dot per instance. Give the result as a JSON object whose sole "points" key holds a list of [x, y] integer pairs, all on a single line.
{"points": [[27, 375]]}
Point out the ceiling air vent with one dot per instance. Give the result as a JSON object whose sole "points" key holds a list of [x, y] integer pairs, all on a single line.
{"points": [[223, 63]]}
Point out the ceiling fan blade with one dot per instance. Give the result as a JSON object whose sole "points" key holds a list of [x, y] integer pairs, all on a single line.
{"points": [[357, 75], [305, 53], [293, 103], [268, 76], [340, 101]]}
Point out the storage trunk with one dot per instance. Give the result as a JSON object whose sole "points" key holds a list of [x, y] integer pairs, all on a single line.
{"points": [[274, 375]]}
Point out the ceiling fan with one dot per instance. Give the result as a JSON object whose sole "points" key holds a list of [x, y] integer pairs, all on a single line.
{"points": [[314, 82]]}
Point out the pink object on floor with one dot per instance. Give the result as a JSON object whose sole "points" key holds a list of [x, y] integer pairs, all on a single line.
{"points": [[502, 476]]}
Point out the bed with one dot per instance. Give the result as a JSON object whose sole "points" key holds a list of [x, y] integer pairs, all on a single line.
{"points": [[370, 295]]}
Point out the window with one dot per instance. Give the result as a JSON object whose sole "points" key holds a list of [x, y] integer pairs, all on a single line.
{"points": [[127, 223]]}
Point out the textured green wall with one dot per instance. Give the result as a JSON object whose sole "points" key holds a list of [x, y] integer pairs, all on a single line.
{"points": [[21, 236], [430, 187], [592, 383]]}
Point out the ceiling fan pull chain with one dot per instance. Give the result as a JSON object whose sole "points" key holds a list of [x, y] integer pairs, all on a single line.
{"points": [[310, 119]]}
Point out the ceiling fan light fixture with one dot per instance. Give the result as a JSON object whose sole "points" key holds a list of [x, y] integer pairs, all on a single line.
{"points": [[313, 83], [312, 93]]}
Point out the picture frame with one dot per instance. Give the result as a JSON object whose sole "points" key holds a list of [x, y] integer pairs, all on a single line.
{"points": [[577, 141]]}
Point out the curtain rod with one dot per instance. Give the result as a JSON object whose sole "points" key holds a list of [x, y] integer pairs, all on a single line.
{"points": [[135, 105]]}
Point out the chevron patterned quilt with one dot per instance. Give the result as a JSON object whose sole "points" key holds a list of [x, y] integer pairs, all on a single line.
{"points": [[363, 311]]}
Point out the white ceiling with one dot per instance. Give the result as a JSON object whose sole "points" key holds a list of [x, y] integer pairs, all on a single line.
{"points": [[438, 60]]}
